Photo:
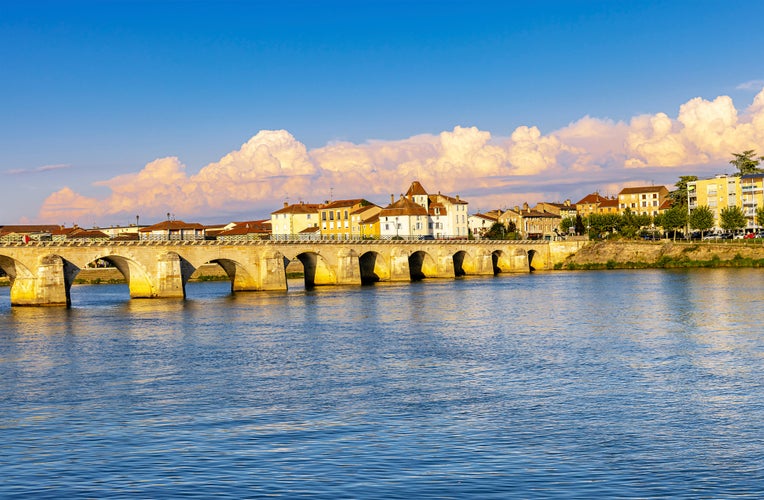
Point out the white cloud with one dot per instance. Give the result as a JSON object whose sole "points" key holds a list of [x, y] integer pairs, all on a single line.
{"points": [[43, 168], [754, 85], [565, 163]]}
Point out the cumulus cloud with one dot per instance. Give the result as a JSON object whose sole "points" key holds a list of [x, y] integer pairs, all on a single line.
{"points": [[585, 155]]}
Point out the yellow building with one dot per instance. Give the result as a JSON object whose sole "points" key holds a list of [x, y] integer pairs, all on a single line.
{"points": [[337, 218], [718, 193], [642, 200], [752, 197], [596, 204]]}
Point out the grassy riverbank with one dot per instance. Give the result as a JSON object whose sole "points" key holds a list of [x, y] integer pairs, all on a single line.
{"points": [[664, 254]]}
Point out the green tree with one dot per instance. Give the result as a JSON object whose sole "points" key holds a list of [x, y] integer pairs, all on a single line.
{"points": [[674, 219], [679, 195], [732, 218], [760, 216], [497, 231], [566, 224], [580, 229], [746, 162], [702, 219]]}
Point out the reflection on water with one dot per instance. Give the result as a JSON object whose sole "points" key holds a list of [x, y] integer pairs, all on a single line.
{"points": [[592, 384]]}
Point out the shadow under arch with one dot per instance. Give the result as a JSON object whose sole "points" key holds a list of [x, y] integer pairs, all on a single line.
{"points": [[373, 268], [500, 262], [135, 275], [241, 279], [316, 270], [421, 265], [461, 260], [531, 254]]}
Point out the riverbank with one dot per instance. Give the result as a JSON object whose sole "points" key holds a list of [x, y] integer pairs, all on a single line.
{"points": [[664, 254]]}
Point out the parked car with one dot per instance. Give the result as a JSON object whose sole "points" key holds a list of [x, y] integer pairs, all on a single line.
{"points": [[749, 236]]}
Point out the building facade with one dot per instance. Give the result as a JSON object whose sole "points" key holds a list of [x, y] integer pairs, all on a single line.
{"points": [[642, 200], [289, 221]]}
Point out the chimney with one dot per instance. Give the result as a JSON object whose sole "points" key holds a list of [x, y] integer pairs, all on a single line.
{"points": [[392, 198], [457, 197], [286, 204], [517, 209], [526, 207]]}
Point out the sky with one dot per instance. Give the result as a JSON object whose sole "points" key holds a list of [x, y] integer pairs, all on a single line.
{"points": [[221, 111]]}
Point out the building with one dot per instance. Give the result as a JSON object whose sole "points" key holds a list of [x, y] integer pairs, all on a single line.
{"points": [[565, 210], [77, 233], [479, 224], [289, 221], [403, 218], [447, 215], [340, 219], [25, 233], [717, 193], [595, 203], [532, 224], [173, 230], [370, 228], [246, 231], [364, 221], [642, 200], [723, 191], [752, 198]]}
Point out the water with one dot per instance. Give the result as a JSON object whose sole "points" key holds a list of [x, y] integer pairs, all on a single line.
{"points": [[552, 385]]}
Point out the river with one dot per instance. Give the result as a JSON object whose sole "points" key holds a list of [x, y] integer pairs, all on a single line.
{"points": [[630, 384]]}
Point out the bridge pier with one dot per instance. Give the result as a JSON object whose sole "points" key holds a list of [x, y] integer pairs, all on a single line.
{"points": [[348, 268], [399, 265], [272, 271], [49, 286]]}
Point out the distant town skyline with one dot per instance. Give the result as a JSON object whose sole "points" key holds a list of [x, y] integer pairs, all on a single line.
{"points": [[217, 111]]}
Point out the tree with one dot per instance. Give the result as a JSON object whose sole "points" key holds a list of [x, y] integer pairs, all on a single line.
{"points": [[566, 224], [702, 219], [732, 218], [746, 163], [679, 195], [497, 231], [760, 216], [580, 225], [674, 218]]}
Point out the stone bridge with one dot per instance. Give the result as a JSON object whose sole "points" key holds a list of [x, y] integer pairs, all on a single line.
{"points": [[41, 273]]}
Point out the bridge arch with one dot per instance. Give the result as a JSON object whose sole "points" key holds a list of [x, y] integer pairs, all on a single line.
{"points": [[373, 267], [501, 262], [241, 278], [531, 254], [422, 265], [135, 274], [465, 264], [316, 270]]}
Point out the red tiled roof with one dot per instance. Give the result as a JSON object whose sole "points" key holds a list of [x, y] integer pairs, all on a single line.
{"points": [[342, 203], [299, 208], [416, 189], [171, 225], [641, 189], [402, 207]]}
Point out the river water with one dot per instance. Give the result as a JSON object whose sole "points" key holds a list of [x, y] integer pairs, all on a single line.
{"points": [[637, 384]]}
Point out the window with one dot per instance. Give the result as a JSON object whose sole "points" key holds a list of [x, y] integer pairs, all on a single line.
{"points": [[331, 215], [346, 215]]}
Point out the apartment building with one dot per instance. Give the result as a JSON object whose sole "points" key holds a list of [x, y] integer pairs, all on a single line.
{"points": [[642, 200]]}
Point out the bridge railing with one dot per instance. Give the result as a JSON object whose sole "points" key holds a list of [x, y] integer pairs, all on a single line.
{"points": [[173, 243]]}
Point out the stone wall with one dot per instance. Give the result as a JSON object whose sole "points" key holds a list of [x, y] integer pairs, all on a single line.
{"points": [[648, 254]]}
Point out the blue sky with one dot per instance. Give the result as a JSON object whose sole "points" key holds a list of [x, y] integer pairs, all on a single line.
{"points": [[93, 91]]}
